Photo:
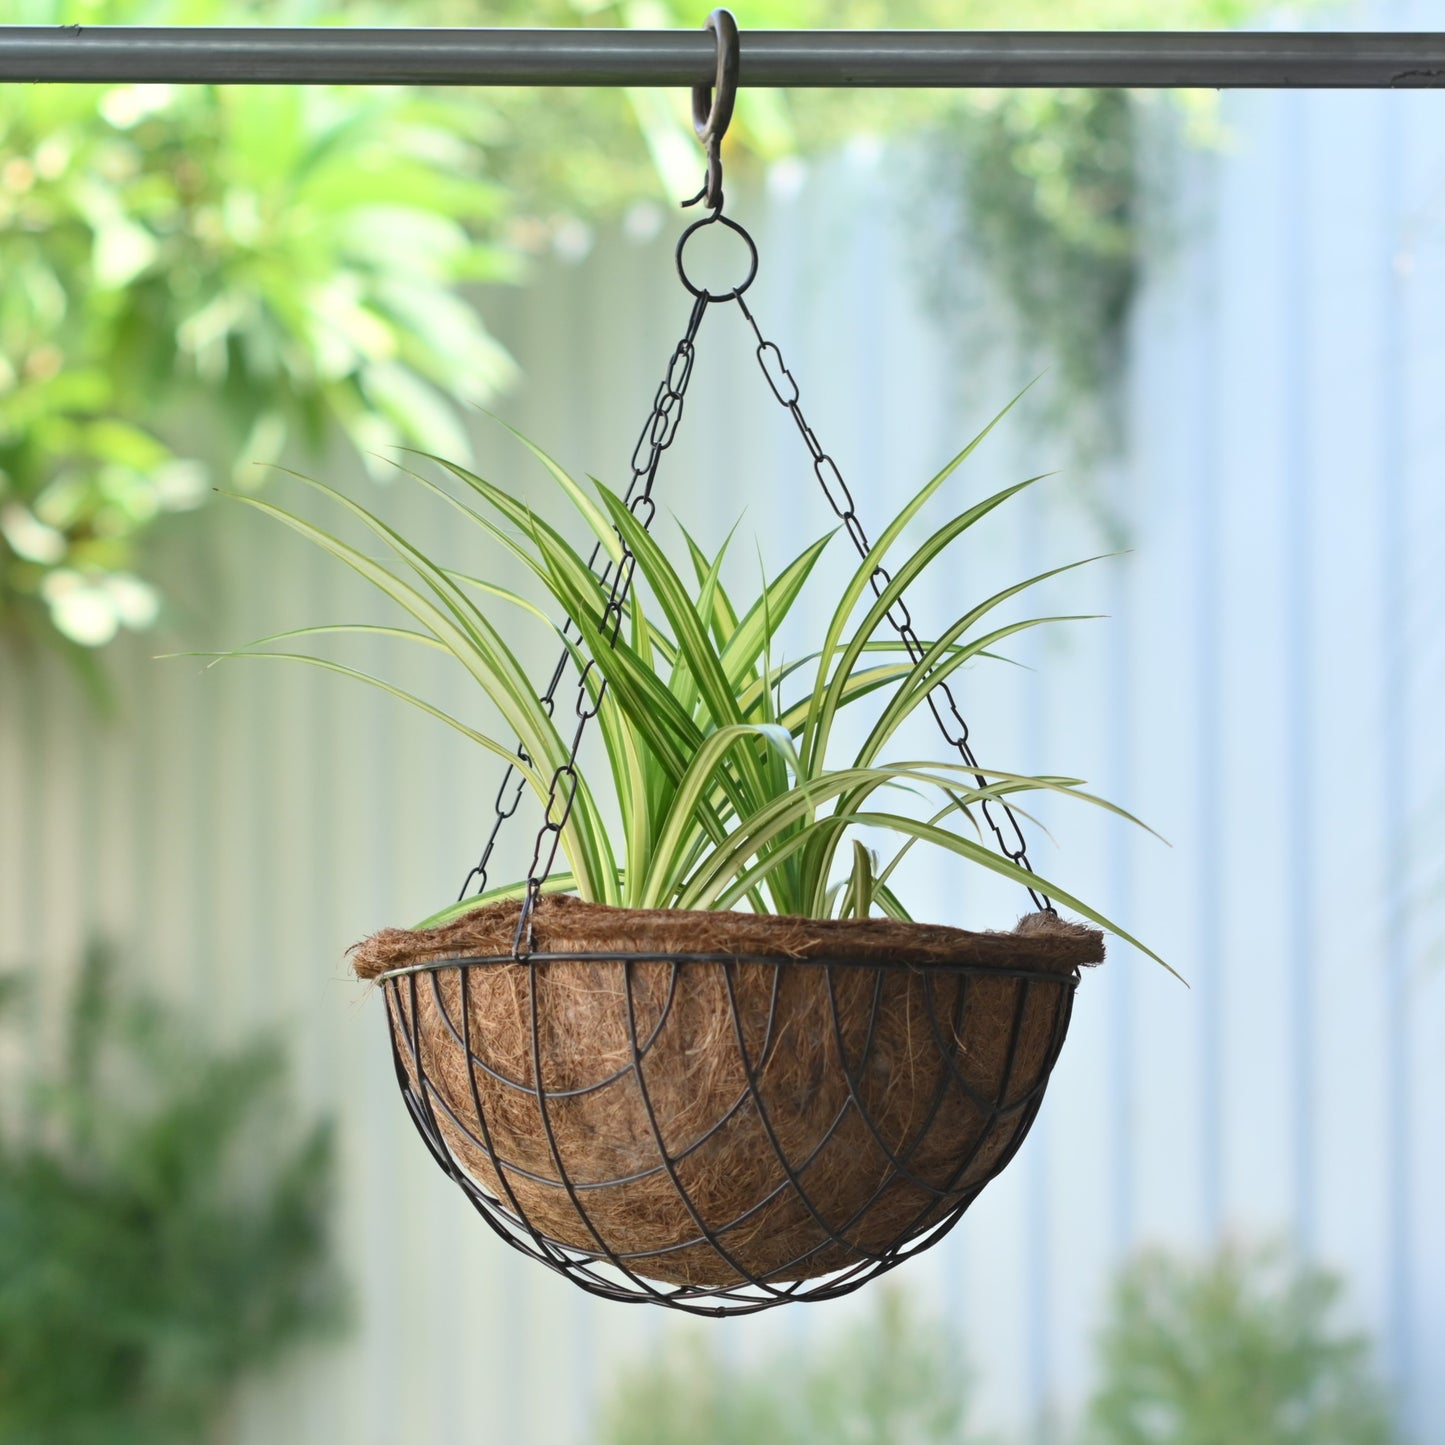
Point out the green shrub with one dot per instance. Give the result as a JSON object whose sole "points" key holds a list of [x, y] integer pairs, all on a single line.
{"points": [[1245, 1349], [163, 1231], [893, 1379], [1242, 1349]]}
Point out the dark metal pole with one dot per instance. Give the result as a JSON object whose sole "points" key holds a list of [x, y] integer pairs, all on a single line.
{"points": [[890, 58]]}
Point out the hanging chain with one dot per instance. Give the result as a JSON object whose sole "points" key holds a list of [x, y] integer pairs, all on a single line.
{"points": [[513, 774], [711, 113], [941, 702], [658, 433], [669, 396]]}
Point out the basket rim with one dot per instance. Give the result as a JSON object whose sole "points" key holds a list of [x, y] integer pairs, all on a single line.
{"points": [[961, 966], [569, 928]]}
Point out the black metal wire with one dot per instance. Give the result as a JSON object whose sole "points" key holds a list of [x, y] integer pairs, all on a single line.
{"points": [[667, 404], [658, 433], [1006, 831], [613, 1272]]}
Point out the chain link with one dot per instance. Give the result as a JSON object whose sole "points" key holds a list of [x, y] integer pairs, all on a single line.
{"points": [[941, 701], [658, 433]]}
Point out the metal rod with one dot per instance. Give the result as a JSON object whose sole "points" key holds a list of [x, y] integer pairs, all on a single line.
{"points": [[801, 58]]}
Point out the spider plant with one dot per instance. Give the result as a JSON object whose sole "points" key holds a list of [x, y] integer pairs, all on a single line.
{"points": [[720, 763]]}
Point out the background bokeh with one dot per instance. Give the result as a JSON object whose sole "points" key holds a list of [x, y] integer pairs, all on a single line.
{"points": [[1242, 374]]}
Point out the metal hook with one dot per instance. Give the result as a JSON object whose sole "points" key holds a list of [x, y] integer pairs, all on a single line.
{"points": [[712, 106]]}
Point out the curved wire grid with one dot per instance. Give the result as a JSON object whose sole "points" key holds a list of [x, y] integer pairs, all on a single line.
{"points": [[616, 1274]]}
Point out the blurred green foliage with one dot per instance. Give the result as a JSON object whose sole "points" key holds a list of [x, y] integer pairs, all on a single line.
{"points": [[1243, 1348], [891, 1379], [1246, 1347], [163, 1230], [1051, 208], [189, 276]]}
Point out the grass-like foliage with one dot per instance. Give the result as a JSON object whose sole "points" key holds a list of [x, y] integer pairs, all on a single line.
{"points": [[163, 1228], [720, 755]]}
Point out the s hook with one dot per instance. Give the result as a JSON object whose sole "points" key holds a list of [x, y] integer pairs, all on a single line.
{"points": [[712, 106]]}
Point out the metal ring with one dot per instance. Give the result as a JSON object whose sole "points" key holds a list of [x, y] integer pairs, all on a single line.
{"points": [[732, 225]]}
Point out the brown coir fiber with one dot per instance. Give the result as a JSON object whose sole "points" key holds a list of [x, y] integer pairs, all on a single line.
{"points": [[894, 1069]]}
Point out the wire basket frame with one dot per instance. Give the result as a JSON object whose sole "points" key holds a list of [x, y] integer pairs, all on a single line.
{"points": [[722, 1255]]}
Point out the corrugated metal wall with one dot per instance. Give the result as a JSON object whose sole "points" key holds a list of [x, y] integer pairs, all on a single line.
{"points": [[1267, 693]]}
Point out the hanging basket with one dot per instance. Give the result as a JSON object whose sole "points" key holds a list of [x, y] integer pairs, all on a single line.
{"points": [[709, 1110], [723, 1110]]}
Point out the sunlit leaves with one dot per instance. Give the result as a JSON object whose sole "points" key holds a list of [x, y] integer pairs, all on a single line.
{"points": [[199, 273]]}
